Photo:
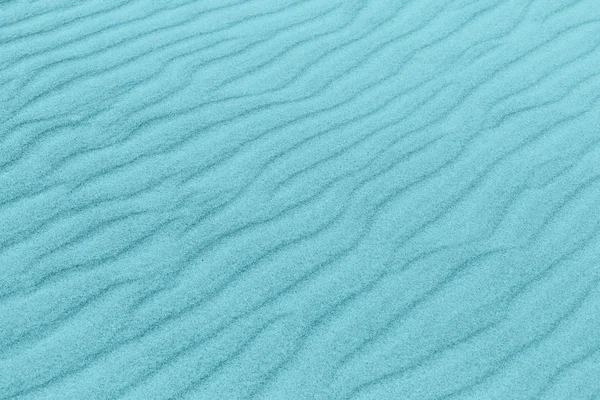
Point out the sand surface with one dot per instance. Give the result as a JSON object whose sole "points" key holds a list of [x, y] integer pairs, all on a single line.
{"points": [[300, 199]]}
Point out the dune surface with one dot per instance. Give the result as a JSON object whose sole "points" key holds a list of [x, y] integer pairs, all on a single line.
{"points": [[300, 199]]}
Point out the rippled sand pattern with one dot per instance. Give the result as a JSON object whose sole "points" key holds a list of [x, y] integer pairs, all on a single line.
{"points": [[300, 199]]}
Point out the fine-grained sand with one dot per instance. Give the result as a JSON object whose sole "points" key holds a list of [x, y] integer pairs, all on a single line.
{"points": [[300, 199]]}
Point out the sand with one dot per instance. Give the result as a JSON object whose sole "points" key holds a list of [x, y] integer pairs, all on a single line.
{"points": [[300, 199]]}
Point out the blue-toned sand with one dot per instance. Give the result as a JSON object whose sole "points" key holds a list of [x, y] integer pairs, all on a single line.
{"points": [[300, 199]]}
